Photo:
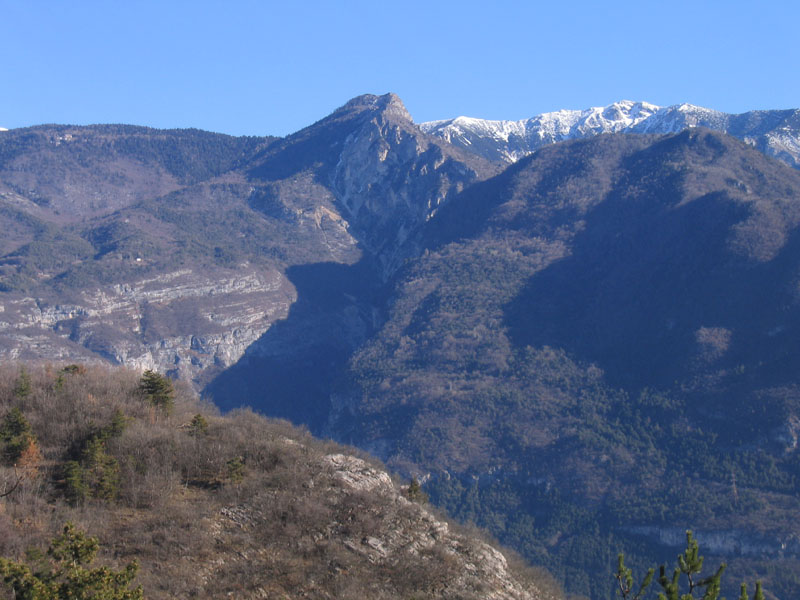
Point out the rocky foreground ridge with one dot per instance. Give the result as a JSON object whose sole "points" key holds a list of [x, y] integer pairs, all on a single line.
{"points": [[235, 506]]}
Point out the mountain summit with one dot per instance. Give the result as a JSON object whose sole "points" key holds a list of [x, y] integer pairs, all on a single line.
{"points": [[390, 104], [112, 228], [387, 177]]}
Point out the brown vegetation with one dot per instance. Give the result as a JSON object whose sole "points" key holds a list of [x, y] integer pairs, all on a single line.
{"points": [[213, 506]]}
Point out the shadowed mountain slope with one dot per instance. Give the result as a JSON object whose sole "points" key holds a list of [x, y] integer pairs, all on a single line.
{"points": [[574, 324], [386, 179], [170, 249]]}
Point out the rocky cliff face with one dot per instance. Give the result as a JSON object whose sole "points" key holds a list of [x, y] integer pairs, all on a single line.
{"points": [[183, 323], [402, 538], [730, 542], [412, 530], [180, 250], [384, 179], [391, 177], [387, 176]]}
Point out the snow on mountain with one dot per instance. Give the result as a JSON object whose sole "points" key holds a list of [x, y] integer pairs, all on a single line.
{"points": [[776, 133], [515, 139]]}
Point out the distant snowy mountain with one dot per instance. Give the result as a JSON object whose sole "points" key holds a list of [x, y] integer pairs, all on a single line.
{"points": [[774, 132]]}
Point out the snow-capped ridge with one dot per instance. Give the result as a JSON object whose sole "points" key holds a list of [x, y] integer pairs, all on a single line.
{"points": [[510, 140], [776, 133]]}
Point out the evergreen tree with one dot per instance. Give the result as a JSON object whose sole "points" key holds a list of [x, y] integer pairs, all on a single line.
{"points": [[415, 493], [22, 387], [198, 426], [100, 470], [158, 390], [75, 487], [64, 573], [759, 593], [117, 426], [624, 578], [96, 473], [690, 564], [236, 469], [16, 435]]}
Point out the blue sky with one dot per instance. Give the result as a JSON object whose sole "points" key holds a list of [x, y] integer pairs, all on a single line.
{"points": [[248, 67]]}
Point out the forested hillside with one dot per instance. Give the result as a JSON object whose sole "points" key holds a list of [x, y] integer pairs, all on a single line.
{"points": [[597, 351], [211, 506]]}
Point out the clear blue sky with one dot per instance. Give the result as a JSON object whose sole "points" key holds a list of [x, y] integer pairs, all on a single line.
{"points": [[248, 67]]}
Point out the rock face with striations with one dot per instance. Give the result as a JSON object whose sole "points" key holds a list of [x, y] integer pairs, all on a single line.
{"points": [[179, 322], [179, 250], [385, 179], [387, 176]]}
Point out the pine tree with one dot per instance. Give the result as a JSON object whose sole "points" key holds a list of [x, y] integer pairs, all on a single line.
{"points": [[198, 426], [236, 469], [158, 390], [22, 387], [415, 493], [64, 573], [16, 435], [624, 578], [96, 473], [759, 593], [100, 470], [75, 487], [690, 564]]}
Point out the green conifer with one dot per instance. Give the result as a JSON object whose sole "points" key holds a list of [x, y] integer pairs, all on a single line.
{"points": [[65, 573], [158, 390], [15, 435], [23, 387]]}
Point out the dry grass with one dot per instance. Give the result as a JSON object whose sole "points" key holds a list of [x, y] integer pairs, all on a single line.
{"points": [[288, 528]]}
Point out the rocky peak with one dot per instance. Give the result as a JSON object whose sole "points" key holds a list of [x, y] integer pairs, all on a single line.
{"points": [[387, 176], [391, 177], [388, 104]]}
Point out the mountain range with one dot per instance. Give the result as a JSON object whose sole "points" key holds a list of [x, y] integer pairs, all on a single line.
{"points": [[584, 342], [773, 132]]}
